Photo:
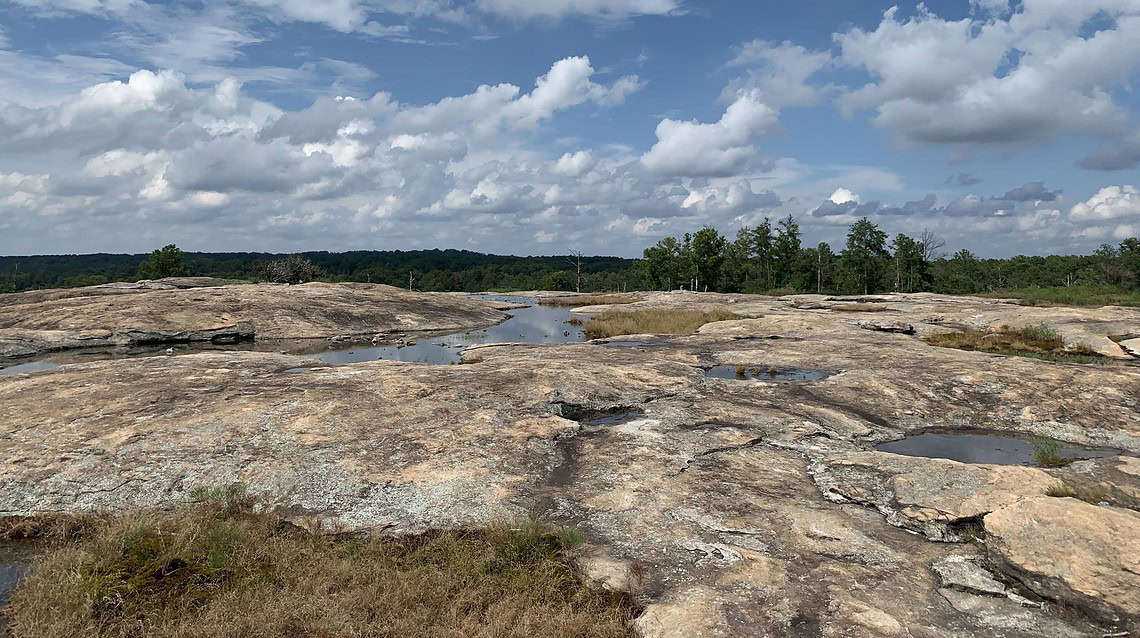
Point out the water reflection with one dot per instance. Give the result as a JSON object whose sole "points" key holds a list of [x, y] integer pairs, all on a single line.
{"points": [[993, 449], [26, 368], [532, 324]]}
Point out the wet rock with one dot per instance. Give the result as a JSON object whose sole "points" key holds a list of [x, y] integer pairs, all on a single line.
{"points": [[1067, 550]]}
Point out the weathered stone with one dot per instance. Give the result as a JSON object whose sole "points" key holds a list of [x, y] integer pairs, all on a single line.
{"points": [[732, 508], [1068, 550], [1131, 346], [878, 325], [959, 572], [931, 496]]}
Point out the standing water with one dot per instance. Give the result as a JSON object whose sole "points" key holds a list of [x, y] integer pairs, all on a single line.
{"points": [[532, 324]]}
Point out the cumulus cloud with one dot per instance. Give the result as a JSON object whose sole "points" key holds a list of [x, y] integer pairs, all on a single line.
{"points": [[778, 73], [1109, 203], [1025, 77], [711, 149]]}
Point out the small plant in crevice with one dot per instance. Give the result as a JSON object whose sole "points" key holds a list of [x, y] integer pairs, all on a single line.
{"points": [[571, 538], [1047, 453], [1093, 495]]}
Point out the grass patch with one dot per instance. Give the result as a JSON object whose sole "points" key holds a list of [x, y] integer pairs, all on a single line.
{"points": [[1070, 296], [586, 300], [218, 569], [653, 321], [860, 307], [1037, 342], [1092, 495]]}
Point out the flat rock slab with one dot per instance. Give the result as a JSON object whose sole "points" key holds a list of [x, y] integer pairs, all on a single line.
{"points": [[144, 313], [1072, 551], [735, 508]]}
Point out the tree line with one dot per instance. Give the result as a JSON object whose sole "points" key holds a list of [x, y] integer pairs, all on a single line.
{"points": [[773, 258], [767, 258]]}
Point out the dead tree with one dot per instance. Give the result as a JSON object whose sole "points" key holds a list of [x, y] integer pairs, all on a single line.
{"points": [[575, 259]]}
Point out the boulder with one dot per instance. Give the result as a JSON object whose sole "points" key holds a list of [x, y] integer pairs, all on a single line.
{"points": [[1073, 552]]}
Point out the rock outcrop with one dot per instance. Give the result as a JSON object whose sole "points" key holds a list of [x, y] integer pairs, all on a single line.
{"points": [[171, 311], [734, 508], [1071, 551]]}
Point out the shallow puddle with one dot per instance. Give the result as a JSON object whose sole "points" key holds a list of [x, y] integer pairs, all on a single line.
{"points": [[765, 373], [532, 324], [27, 368], [15, 558], [986, 448]]}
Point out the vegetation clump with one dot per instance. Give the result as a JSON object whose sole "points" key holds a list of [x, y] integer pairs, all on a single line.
{"points": [[1047, 453], [168, 261], [1093, 495], [1088, 295], [219, 568], [293, 269], [586, 300], [1037, 342], [653, 321]]}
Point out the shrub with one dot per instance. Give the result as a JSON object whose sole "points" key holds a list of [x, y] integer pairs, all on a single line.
{"points": [[1046, 453], [167, 261], [293, 269]]}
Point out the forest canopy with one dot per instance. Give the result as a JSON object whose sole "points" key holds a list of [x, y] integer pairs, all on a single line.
{"points": [[770, 257]]}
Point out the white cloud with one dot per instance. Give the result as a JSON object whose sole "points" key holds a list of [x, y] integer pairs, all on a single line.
{"points": [[715, 149], [842, 196], [1022, 78], [778, 73], [575, 164], [1110, 202]]}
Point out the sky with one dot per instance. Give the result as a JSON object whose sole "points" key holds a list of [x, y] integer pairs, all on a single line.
{"points": [[535, 127]]}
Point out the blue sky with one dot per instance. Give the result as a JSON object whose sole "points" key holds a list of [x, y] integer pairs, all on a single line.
{"points": [[535, 126]]}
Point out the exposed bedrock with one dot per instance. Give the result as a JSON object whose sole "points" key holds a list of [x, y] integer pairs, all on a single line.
{"points": [[734, 508]]}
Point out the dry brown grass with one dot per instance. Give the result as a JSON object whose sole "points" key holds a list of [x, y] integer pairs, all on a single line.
{"points": [[860, 307], [586, 300], [1038, 342], [216, 570], [653, 321]]}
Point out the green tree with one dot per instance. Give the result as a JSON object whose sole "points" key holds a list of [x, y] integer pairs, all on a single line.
{"points": [[1130, 258], [866, 254], [786, 251], [762, 252], [167, 261], [737, 268], [823, 262], [911, 270], [663, 266], [708, 248]]}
